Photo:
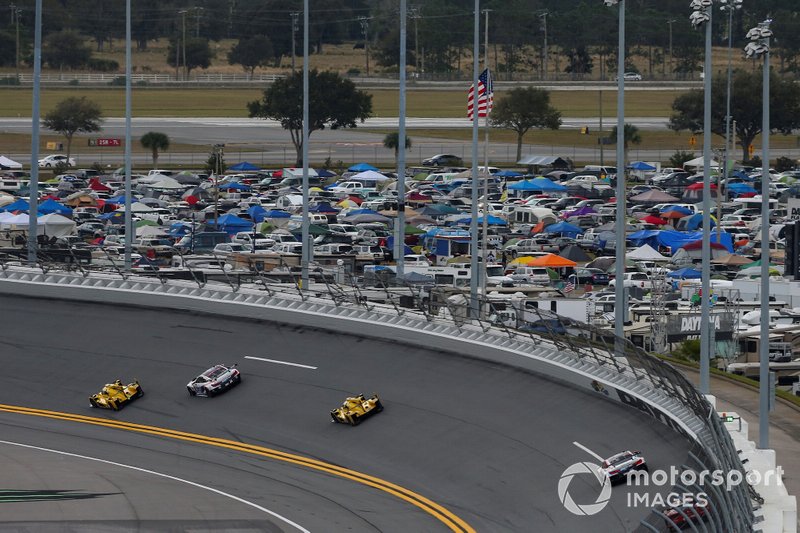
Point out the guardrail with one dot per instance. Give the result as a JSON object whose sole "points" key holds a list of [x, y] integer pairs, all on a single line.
{"points": [[570, 351], [94, 77]]}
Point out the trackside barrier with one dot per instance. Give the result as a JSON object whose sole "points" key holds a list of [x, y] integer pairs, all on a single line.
{"points": [[556, 347]]}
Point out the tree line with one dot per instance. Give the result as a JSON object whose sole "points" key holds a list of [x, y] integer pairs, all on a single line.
{"points": [[581, 34]]}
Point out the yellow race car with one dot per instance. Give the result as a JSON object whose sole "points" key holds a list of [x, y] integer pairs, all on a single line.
{"points": [[355, 409], [116, 395]]}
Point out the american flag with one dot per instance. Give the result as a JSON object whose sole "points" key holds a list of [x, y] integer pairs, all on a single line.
{"points": [[485, 95], [569, 287]]}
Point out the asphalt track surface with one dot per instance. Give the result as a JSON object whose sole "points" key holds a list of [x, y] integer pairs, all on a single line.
{"points": [[488, 443]]}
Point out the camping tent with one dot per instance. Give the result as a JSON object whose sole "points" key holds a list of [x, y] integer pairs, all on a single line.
{"points": [[244, 165], [697, 162], [51, 206], [645, 253], [55, 225], [361, 167], [553, 261]]}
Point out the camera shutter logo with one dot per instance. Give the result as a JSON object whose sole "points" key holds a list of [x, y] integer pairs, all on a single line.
{"points": [[590, 508]]}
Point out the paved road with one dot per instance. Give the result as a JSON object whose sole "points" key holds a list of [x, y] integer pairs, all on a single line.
{"points": [[487, 442]]}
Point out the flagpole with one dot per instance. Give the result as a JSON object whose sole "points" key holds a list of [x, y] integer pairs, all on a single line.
{"points": [[488, 90], [473, 226]]}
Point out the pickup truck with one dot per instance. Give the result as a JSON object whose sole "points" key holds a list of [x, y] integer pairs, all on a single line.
{"points": [[246, 238], [350, 187], [636, 279], [154, 248]]}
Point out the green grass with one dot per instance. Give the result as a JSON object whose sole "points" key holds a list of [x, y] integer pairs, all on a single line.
{"points": [[232, 102]]}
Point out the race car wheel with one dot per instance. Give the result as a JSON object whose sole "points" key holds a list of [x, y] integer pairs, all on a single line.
{"points": [[92, 402], [114, 406], [378, 406], [238, 379], [192, 392], [139, 393], [355, 420]]}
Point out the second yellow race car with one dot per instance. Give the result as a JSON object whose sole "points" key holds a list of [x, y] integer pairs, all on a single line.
{"points": [[355, 409], [116, 395]]}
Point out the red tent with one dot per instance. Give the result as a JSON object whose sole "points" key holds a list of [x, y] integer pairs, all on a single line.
{"points": [[698, 244], [95, 185], [699, 186], [357, 199], [652, 219]]}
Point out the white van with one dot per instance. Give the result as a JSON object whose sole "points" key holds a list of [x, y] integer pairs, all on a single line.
{"points": [[610, 172]]}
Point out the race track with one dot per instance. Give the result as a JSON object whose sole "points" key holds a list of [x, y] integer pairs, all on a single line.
{"points": [[487, 443]]}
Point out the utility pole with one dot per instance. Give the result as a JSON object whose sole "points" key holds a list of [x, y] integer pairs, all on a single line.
{"points": [[415, 13], [365, 30], [182, 13], [543, 16], [670, 22], [485, 228], [294, 29]]}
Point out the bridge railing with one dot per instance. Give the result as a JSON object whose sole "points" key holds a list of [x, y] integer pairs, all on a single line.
{"points": [[433, 310]]}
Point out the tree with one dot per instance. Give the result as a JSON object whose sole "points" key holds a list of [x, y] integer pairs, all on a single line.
{"points": [[745, 107], [392, 142], [155, 141], [579, 61], [630, 135], [65, 49], [334, 102], [74, 115], [680, 157], [251, 53], [198, 53], [522, 109]]}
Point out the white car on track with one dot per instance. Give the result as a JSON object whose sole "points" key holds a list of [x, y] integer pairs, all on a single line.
{"points": [[216, 379], [56, 159]]}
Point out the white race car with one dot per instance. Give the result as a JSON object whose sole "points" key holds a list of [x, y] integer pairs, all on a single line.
{"points": [[216, 379], [617, 466]]}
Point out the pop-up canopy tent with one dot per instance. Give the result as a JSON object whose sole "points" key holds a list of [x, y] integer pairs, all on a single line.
{"points": [[9, 164]]}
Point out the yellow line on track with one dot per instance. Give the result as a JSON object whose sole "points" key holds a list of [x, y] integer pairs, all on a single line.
{"points": [[453, 522]]}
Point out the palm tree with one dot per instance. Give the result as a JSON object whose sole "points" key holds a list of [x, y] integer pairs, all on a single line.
{"points": [[392, 142], [631, 135], [155, 141]]}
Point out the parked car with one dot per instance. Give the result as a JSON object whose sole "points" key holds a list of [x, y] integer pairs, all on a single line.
{"points": [[593, 276], [56, 159], [215, 380], [533, 275], [630, 76], [634, 279], [443, 160], [228, 248]]}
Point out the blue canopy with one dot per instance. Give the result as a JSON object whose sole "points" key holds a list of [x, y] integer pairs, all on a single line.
{"points": [[491, 221], [179, 229], [361, 167], [695, 221], [51, 206], [537, 184], [244, 165], [742, 175], [676, 239], [324, 173], [234, 186], [114, 216], [232, 224], [390, 245], [641, 165], [645, 236], [685, 273], [565, 228], [257, 213], [19, 205], [362, 212]]}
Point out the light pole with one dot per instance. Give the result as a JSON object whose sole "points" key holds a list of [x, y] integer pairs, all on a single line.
{"points": [[129, 233], [730, 6], [619, 267], [543, 16], [400, 231], [15, 13], [198, 11], [670, 22], [473, 225], [294, 29], [183, 22], [306, 257], [416, 14], [701, 17], [759, 46], [33, 201]]}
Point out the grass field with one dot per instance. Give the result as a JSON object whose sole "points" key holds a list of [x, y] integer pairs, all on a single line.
{"points": [[232, 102]]}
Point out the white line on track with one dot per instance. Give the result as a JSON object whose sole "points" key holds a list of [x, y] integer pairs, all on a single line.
{"points": [[167, 476], [280, 362], [587, 450]]}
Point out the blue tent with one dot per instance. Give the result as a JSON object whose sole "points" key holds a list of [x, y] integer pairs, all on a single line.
{"points": [[244, 165], [257, 213], [179, 229], [508, 174], [677, 209], [19, 205], [641, 165], [546, 185], [741, 188], [696, 221], [234, 186], [51, 206], [685, 273], [390, 245], [564, 228], [116, 217], [742, 175], [324, 173], [362, 212], [323, 207], [645, 236], [275, 213], [232, 224], [361, 167], [523, 185], [677, 239], [491, 221], [118, 200]]}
